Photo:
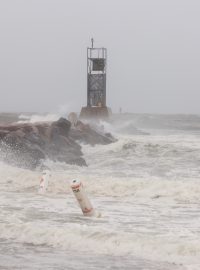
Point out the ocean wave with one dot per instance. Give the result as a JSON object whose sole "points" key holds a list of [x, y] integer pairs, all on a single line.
{"points": [[81, 238], [34, 118], [143, 188]]}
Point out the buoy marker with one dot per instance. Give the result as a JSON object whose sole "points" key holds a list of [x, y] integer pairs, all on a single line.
{"points": [[84, 202], [44, 182]]}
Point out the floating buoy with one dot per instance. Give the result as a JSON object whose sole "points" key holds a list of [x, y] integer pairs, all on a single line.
{"points": [[84, 202], [44, 182]]}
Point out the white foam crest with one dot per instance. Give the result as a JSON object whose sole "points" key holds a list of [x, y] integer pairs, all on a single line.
{"points": [[38, 118], [24, 116], [15, 179], [98, 240], [62, 111], [146, 143], [108, 127]]}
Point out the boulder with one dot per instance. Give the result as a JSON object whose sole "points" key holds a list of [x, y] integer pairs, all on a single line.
{"points": [[86, 134], [27, 145]]}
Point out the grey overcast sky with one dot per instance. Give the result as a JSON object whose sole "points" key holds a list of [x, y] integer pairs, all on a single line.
{"points": [[153, 54]]}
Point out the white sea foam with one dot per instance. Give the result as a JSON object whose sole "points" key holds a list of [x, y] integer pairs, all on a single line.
{"points": [[82, 238], [34, 118], [146, 187]]}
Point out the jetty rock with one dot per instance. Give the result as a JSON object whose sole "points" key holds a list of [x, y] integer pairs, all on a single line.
{"points": [[92, 135], [27, 145]]}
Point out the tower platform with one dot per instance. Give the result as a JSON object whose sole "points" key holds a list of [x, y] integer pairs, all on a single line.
{"points": [[95, 113]]}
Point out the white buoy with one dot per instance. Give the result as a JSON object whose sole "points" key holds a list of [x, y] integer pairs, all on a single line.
{"points": [[84, 202], [44, 182]]}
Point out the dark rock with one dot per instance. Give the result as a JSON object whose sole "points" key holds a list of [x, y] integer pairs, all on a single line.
{"points": [[28, 145], [85, 134]]}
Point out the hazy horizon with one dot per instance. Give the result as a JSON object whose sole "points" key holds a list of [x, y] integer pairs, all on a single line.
{"points": [[153, 54]]}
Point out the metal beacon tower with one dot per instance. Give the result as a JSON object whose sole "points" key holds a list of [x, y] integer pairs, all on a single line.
{"points": [[96, 84]]}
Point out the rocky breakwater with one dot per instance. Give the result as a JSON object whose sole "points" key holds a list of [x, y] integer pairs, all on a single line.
{"points": [[28, 145]]}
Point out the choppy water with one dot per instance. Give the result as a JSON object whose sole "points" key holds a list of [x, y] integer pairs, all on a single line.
{"points": [[147, 188]]}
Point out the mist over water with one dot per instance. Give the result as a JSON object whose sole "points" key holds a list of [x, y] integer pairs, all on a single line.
{"points": [[146, 185]]}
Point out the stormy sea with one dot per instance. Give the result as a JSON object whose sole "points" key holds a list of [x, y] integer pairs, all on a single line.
{"points": [[146, 185]]}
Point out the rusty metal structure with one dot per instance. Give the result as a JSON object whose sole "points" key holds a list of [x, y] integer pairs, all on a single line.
{"points": [[96, 83]]}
